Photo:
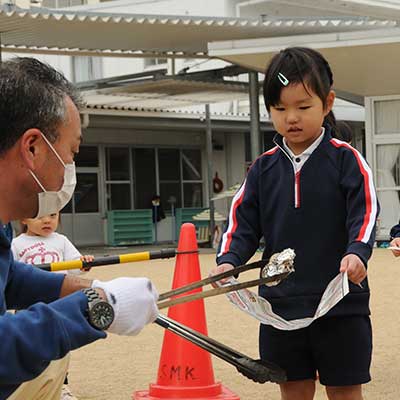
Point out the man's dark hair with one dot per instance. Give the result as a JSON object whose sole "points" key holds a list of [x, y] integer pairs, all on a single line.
{"points": [[32, 95]]}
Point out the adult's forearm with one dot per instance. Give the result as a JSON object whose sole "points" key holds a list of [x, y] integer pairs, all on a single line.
{"points": [[74, 283]]}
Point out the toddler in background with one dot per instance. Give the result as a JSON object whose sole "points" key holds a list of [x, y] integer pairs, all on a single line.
{"points": [[39, 243]]}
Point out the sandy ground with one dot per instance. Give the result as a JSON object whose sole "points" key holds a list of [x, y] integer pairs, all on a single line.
{"points": [[114, 368]]}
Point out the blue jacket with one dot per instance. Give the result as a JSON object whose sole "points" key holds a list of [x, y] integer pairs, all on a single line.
{"points": [[323, 212], [395, 231], [47, 330]]}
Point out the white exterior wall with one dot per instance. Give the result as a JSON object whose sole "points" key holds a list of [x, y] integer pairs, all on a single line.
{"points": [[61, 63], [210, 8], [121, 66]]}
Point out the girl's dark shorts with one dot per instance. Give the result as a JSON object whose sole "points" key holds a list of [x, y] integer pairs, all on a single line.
{"points": [[339, 348]]}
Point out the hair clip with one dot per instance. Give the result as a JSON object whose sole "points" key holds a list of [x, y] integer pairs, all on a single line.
{"points": [[282, 78]]}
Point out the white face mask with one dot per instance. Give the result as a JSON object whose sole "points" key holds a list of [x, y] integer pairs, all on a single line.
{"points": [[53, 202]]}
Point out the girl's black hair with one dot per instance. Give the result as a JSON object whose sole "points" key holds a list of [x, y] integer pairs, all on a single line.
{"points": [[299, 65], [344, 131]]}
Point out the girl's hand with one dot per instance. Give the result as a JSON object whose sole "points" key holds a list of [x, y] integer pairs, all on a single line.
{"points": [[395, 243], [219, 270], [87, 258], [355, 268]]}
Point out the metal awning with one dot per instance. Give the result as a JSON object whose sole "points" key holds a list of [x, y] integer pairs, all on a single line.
{"points": [[167, 93], [343, 111], [132, 35], [181, 114], [364, 63], [156, 92]]}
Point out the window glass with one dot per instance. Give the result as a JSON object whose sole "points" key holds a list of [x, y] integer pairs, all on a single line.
{"points": [[170, 177], [144, 173], [86, 194], [169, 166], [192, 195], [88, 156], [118, 196], [386, 117], [191, 165], [117, 164], [170, 191], [150, 62], [68, 208]]}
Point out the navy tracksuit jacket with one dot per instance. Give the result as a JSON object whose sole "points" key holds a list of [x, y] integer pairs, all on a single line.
{"points": [[325, 211]]}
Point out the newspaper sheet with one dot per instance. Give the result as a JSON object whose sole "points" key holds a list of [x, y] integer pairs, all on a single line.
{"points": [[260, 308]]}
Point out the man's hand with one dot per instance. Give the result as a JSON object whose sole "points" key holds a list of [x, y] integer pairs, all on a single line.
{"points": [[355, 268], [219, 270], [134, 301], [395, 243]]}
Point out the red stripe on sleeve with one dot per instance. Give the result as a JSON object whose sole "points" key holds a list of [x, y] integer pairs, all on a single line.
{"points": [[367, 190], [234, 227]]}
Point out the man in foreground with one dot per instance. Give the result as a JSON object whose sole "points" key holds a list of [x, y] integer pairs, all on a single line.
{"points": [[40, 133]]}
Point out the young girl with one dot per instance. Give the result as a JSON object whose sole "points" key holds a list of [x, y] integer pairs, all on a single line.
{"points": [[39, 244], [315, 194]]}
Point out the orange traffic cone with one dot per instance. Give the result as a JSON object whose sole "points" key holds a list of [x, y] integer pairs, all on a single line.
{"points": [[185, 370]]}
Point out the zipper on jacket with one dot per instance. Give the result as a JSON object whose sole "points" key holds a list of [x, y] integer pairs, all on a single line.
{"points": [[297, 190], [296, 177]]}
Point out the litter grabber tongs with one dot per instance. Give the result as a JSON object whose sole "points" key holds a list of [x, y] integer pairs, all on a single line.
{"points": [[279, 266], [273, 271], [257, 370]]}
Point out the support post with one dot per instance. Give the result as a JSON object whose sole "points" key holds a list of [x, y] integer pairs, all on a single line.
{"points": [[255, 140], [210, 171]]}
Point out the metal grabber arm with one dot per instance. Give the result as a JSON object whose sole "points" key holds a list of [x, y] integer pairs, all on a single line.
{"points": [[257, 370]]}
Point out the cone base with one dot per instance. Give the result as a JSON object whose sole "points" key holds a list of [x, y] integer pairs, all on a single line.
{"points": [[179, 358], [214, 392]]}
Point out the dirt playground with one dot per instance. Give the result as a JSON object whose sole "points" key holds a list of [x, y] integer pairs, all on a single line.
{"points": [[114, 368]]}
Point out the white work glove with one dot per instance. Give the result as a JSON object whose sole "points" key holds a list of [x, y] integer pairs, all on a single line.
{"points": [[134, 301]]}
